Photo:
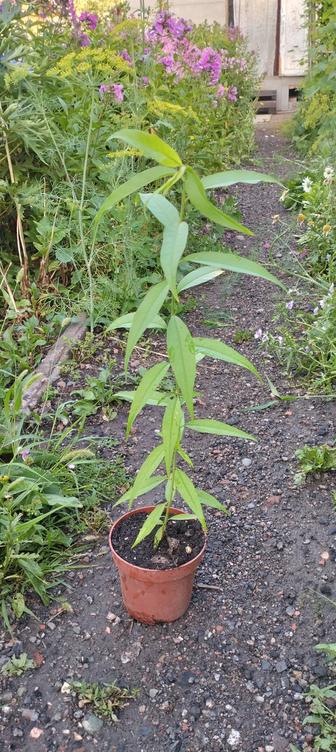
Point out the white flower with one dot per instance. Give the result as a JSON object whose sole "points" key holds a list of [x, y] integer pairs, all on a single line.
{"points": [[307, 185], [71, 466], [322, 303], [258, 334], [328, 175], [316, 310], [280, 339], [264, 337], [331, 289], [290, 305]]}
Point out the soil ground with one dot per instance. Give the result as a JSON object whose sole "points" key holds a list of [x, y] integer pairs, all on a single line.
{"points": [[232, 673]]}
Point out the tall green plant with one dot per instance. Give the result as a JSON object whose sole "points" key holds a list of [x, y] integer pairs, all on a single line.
{"points": [[183, 350]]}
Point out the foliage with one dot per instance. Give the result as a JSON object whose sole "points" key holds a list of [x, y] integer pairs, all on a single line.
{"points": [[16, 666], [183, 350], [306, 337], [46, 493], [315, 459], [193, 86], [316, 116], [105, 699]]}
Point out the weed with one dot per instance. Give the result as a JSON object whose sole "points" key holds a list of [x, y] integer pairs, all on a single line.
{"points": [[242, 335], [315, 459], [106, 699], [18, 666]]}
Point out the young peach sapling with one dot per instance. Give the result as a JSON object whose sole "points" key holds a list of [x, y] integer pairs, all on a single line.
{"points": [[183, 350]]}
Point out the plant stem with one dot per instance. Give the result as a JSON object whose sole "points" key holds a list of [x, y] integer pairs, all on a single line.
{"points": [[171, 493]]}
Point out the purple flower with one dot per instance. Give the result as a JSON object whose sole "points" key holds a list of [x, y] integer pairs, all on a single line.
{"points": [[290, 305], [85, 40], [117, 91], [90, 19], [25, 454], [220, 91], [232, 94], [145, 80], [258, 334], [125, 56]]}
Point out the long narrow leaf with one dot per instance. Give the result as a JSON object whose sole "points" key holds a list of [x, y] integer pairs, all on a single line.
{"points": [[198, 277], [197, 196], [150, 145], [157, 398], [214, 348], [216, 427], [134, 184], [231, 177], [148, 485], [162, 209], [233, 263], [148, 467], [126, 321], [150, 380], [145, 314], [172, 424], [181, 352], [174, 242], [150, 523], [210, 501], [189, 494]]}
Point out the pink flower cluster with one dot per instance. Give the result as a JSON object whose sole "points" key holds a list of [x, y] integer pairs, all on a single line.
{"points": [[116, 90], [180, 56], [89, 19]]}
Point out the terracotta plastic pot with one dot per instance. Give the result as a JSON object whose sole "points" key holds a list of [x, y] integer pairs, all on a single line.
{"points": [[155, 595]]}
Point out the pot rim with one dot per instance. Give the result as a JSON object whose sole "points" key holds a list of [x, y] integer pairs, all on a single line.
{"points": [[180, 568]]}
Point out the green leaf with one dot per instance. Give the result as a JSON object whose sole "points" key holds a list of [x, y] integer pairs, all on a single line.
{"points": [[150, 523], [214, 348], [157, 398], [172, 426], [210, 501], [145, 314], [197, 196], [198, 277], [181, 352], [143, 488], [162, 209], [233, 263], [189, 494], [183, 516], [150, 380], [150, 464], [134, 184], [174, 242], [231, 177], [150, 145], [125, 322], [216, 427]]}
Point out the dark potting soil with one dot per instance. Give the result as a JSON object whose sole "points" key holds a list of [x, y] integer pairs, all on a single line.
{"points": [[183, 541]]}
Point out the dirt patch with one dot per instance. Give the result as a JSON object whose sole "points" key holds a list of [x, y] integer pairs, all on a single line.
{"points": [[233, 672]]}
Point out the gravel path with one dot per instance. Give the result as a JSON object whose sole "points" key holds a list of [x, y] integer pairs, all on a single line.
{"points": [[231, 674]]}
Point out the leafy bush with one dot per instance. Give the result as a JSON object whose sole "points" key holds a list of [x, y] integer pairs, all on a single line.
{"points": [[64, 87], [316, 117]]}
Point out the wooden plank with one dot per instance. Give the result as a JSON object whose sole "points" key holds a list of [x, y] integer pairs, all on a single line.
{"points": [[257, 21], [293, 38]]}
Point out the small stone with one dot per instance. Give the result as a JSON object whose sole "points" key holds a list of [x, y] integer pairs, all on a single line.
{"points": [[65, 688], [30, 715], [92, 723], [246, 462], [281, 666], [269, 748], [17, 732], [36, 732], [290, 611], [234, 739], [152, 693]]}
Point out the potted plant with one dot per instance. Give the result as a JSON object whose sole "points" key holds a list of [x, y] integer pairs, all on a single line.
{"points": [[158, 548]]}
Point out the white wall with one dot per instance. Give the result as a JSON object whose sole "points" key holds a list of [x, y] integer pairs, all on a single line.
{"points": [[196, 10]]}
